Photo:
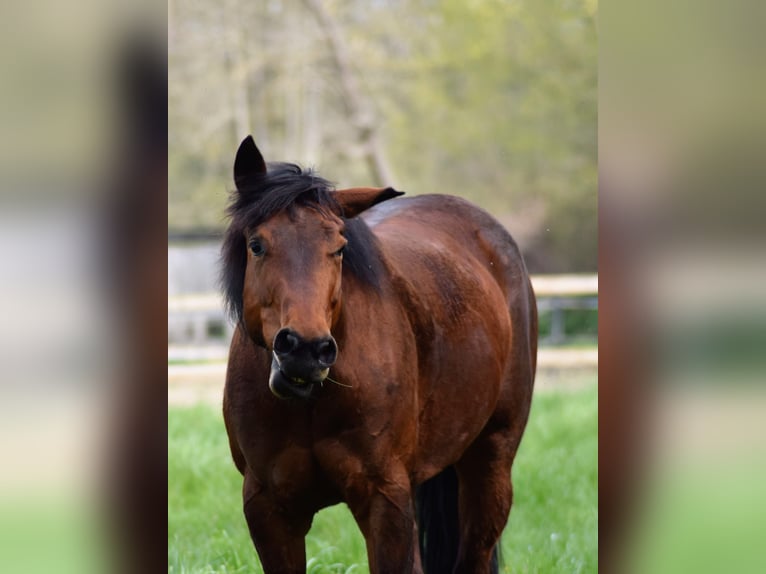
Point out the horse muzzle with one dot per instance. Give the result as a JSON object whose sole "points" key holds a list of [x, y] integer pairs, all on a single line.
{"points": [[285, 387], [298, 365]]}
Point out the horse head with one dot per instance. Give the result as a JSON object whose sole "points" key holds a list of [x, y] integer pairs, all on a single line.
{"points": [[283, 264]]}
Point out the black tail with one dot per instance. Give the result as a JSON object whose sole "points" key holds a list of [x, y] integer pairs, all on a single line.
{"points": [[438, 526]]}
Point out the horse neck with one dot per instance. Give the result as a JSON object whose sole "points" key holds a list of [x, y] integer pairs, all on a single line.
{"points": [[353, 293]]}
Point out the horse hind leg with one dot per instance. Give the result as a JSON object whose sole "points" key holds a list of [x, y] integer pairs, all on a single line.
{"points": [[485, 496]]}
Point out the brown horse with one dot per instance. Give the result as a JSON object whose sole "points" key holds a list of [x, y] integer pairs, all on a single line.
{"points": [[384, 357]]}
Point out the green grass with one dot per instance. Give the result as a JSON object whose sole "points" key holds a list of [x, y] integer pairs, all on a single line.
{"points": [[553, 524]]}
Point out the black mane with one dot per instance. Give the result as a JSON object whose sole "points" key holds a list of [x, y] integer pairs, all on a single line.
{"points": [[282, 188]]}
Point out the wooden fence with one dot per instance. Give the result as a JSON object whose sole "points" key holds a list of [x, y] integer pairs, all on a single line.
{"points": [[199, 330]]}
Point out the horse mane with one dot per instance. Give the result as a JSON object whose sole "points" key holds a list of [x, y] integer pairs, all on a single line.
{"points": [[284, 187]]}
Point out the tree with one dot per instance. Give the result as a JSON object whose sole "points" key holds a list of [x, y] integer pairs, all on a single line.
{"points": [[493, 101]]}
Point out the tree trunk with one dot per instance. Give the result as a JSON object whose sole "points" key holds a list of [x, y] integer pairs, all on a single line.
{"points": [[360, 115]]}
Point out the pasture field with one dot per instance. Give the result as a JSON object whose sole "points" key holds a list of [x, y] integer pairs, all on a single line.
{"points": [[553, 526]]}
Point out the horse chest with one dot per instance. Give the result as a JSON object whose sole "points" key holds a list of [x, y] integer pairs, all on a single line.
{"points": [[291, 473]]}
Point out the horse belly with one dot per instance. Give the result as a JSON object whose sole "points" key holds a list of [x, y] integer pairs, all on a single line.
{"points": [[462, 374]]}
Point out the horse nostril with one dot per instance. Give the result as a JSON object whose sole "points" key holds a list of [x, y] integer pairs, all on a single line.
{"points": [[285, 342], [327, 352]]}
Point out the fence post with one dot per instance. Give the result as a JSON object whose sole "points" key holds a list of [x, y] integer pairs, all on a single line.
{"points": [[557, 322]]}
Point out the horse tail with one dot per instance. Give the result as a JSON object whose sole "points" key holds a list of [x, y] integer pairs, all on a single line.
{"points": [[438, 526], [497, 559], [436, 503]]}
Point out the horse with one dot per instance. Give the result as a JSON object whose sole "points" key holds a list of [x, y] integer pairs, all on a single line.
{"points": [[383, 356]]}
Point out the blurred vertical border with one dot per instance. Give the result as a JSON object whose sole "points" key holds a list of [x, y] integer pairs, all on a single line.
{"points": [[83, 212], [682, 403]]}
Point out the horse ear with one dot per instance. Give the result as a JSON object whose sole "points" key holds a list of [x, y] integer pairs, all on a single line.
{"points": [[355, 200], [249, 162]]}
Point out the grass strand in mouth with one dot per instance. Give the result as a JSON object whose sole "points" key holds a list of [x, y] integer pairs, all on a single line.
{"points": [[337, 383]]}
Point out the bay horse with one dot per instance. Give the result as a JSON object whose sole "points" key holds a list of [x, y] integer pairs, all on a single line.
{"points": [[384, 356]]}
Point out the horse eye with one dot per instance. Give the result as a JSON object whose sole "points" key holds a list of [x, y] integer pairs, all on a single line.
{"points": [[257, 248]]}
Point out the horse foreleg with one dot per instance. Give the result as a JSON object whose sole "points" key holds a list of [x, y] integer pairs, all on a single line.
{"points": [[279, 536], [386, 516], [389, 535]]}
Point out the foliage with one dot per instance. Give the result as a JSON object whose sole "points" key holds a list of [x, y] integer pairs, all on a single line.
{"points": [[580, 325], [494, 101], [553, 524]]}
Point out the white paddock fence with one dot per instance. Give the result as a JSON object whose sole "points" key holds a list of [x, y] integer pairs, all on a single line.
{"points": [[199, 330]]}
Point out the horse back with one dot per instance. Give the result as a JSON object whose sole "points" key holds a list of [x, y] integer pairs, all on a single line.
{"points": [[464, 284], [451, 250]]}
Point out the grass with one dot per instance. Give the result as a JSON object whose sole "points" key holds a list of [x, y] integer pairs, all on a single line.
{"points": [[552, 528]]}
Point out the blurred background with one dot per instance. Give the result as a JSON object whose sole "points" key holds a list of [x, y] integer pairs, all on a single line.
{"points": [[83, 187], [682, 332], [493, 100]]}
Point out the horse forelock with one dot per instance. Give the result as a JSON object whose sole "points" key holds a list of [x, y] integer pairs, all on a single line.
{"points": [[283, 188]]}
